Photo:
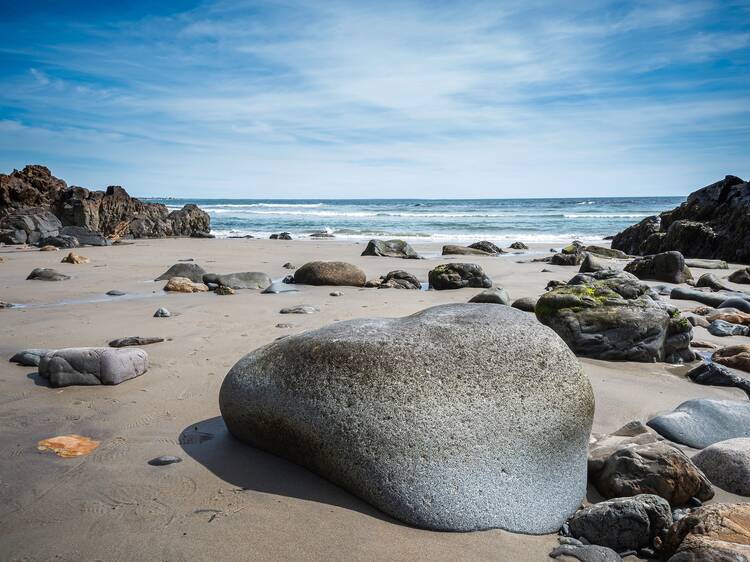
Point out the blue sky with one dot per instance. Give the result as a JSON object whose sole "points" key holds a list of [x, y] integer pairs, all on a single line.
{"points": [[378, 99]]}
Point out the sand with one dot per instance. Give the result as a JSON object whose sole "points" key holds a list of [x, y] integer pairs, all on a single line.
{"points": [[225, 501]]}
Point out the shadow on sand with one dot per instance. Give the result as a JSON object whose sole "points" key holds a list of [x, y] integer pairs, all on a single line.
{"points": [[210, 443]]}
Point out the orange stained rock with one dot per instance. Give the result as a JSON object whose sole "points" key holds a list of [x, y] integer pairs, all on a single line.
{"points": [[68, 445]]}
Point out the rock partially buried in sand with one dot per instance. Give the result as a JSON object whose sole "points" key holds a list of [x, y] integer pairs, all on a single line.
{"points": [[75, 259], [390, 249], [727, 465], [29, 357], [92, 365], [397, 413], [457, 276], [571, 549], [702, 422], [706, 264], [162, 312], [115, 293], [223, 290], [498, 295], [715, 374], [527, 304], [330, 273], [191, 271], [68, 446], [280, 287], [132, 341], [713, 533], [164, 460], [300, 309], [624, 523], [667, 266], [184, 285], [708, 298], [611, 315], [710, 281], [741, 303], [46, 274], [241, 280], [518, 246], [453, 250], [741, 276], [48, 248]]}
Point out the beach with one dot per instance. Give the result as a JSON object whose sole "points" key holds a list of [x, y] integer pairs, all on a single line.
{"points": [[227, 500]]}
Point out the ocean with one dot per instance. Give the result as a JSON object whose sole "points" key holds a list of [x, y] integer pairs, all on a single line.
{"points": [[424, 220]]}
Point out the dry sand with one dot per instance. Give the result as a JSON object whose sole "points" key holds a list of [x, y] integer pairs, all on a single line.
{"points": [[225, 501]]}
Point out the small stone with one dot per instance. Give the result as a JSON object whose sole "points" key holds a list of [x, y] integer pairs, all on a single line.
{"points": [[164, 460], [48, 248], [75, 259], [184, 285], [115, 293], [336, 293], [223, 290], [284, 325], [162, 313], [300, 309], [289, 265], [134, 341]]}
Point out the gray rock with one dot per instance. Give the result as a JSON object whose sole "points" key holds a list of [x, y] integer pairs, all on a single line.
{"points": [[289, 280], [92, 365], [706, 264], [717, 375], [60, 241], [667, 266], [739, 303], [330, 273], [708, 298], [47, 274], [613, 316], [741, 276], [585, 553], [487, 247], [289, 265], [281, 236], [594, 263], [710, 281], [85, 236], [396, 412], [498, 295], [390, 249], [727, 465], [164, 460], [519, 246], [115, 293], [132, 341], [702, 422], [567, 259], [721, 328], [336, 294], [162, 312], [458, 276], [280, 287], [29, 357], [28, 226], [241, 280], [191, 271], [454, 250], [300, 309], [399, 279], [623, 523], [527, 304], [606, 252]]}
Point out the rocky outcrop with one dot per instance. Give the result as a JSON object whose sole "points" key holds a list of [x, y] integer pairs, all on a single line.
{"points": [[397, 412], [458, 276], [611, 315], [390, 249], [92, 365], [112, 213], [713, 533], [713, 223]]}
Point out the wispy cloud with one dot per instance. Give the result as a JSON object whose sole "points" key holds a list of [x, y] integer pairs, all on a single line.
{"points": [[317, 99]]}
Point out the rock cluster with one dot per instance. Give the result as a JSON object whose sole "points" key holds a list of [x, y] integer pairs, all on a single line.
{"points": [[36, 207], [713, 223]]}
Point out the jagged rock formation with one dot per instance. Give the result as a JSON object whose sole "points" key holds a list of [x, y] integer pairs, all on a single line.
{"points": [[34, 205], [713, 223]]}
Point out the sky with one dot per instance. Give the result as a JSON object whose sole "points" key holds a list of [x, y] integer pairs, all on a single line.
{"points": [[329, 99]]}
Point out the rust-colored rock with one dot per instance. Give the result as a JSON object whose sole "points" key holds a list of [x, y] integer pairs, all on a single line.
{"points": [[734, 356], [712, 533], [74, 258], [731, 317], [184, 285], [67, 446], [48, 249]]}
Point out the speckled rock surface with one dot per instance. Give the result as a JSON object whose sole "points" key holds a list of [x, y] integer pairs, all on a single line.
{"points": [[713, 533], [459, 417], [702, 422], [330, 273], [92, 365], [727, 465]]}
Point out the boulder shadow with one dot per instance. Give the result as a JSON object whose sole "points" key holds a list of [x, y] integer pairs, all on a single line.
{"points": [[38, 379], [210, 443]]}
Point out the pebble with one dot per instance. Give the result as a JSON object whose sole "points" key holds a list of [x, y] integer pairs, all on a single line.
{"points": [[336, 293], [164, 460], [115, 293], [300, 309], [162, 313]]}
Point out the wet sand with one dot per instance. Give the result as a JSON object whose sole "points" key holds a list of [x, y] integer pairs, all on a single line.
{"points": [[226, 501]]}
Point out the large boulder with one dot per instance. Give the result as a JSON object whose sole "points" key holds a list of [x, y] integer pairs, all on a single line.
{"points": [[191, 271], [713, 223], [92, 365], [727, 465], [28, 226], [189, 221], [741, 276], [390, 249], [624, 524], [611, 315], [458, 276], [702, 422], [395, 411], [330, 273], [667, 266], [85, 236], [243, 280], [47, 274], [713, 533]]}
